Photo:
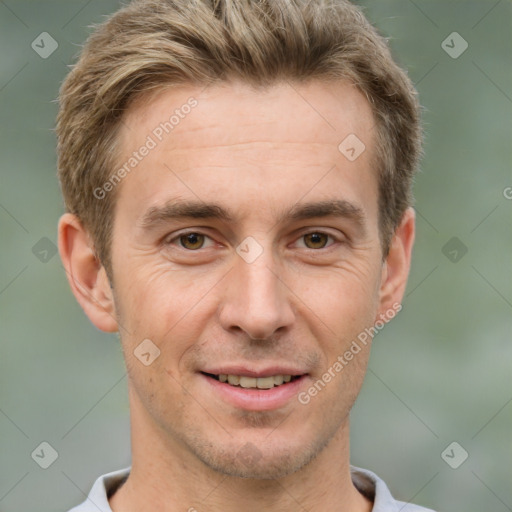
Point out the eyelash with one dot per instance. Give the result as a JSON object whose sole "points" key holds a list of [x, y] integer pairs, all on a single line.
{"points": [[185, 233]]}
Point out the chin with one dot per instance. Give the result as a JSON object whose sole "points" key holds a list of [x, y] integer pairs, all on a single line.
{"points": [[265, 468], [257, 462]]}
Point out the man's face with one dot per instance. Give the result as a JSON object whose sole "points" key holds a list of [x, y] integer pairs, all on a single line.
{"points": [[257, 292]]}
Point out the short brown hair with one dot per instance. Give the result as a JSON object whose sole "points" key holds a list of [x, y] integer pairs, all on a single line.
{"points": [[152, 44]]}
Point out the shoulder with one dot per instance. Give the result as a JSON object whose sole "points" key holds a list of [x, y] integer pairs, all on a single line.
{"points": [[374, 488], [410, 507], [102, 489]]}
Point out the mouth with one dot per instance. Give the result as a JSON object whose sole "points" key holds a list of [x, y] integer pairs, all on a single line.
{"points": [[254, 391], [243, 381]]}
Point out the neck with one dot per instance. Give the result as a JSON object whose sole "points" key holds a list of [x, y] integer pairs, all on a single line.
{"points": [[166, 476]]}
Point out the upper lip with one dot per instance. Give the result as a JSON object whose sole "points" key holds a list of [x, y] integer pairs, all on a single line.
{"points": [[244, 371]]}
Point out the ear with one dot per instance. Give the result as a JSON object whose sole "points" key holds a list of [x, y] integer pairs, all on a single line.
{"points": [[395, 270], [86, 275]]}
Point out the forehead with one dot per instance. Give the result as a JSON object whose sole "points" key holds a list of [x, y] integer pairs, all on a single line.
{"points": [[314, 111], [240, 143]]}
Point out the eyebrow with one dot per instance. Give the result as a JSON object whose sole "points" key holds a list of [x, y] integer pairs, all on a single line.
{"points": [[190, 209], [178, 209]]}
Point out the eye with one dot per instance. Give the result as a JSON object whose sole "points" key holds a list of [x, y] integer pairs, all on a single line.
{"points": [[316, 240], [191, 241]]}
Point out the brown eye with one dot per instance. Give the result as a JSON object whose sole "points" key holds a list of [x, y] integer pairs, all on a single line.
{"points": [[315, 240], [192, 241]]}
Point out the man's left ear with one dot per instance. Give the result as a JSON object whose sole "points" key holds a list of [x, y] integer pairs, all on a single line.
{"points": [[395, 269]]}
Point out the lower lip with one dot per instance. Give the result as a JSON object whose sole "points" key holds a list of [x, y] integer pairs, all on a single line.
{"points": [[256, 399]]}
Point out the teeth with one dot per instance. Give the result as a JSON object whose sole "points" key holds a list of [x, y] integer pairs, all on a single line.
{"points": [[248, 382], [278, 380], [234, 380], [265, 382], [253, 382]]}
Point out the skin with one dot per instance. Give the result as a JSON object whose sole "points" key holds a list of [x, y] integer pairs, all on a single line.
{"points": [[302, 302]]}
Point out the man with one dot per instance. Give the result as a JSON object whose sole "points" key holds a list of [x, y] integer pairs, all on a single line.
{"points": [[237, 177]]}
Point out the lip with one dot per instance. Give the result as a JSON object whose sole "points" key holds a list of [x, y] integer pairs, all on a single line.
{"points": [[243, 371], [255, 399]]}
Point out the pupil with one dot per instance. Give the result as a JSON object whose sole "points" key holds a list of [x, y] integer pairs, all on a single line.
{"points": [[192, 239], [316, 239]]}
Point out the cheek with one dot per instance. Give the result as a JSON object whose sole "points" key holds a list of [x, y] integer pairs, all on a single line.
{"points": [[346, 309], [170, 308], [344, 297], [156, 299]]}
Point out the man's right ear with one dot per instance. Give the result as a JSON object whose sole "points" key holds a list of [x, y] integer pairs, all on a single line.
{"points": [[86, 275]]}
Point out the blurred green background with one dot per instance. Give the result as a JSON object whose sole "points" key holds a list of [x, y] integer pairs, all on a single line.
{"points": [[439, 373]]}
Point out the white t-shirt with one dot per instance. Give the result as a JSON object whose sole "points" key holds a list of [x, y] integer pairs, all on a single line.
{"points": [[368, 484]]}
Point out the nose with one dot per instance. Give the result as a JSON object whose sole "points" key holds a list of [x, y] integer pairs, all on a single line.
{"points": [[256, 299]]}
